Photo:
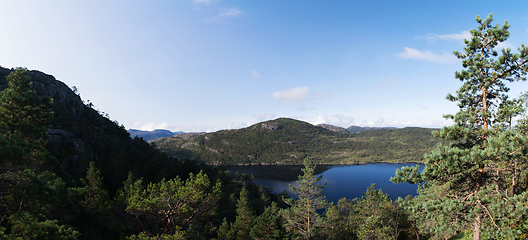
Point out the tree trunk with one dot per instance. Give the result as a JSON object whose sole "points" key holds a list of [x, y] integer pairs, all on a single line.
{"points": [[514, 180], [484, 107], [476, 231]]}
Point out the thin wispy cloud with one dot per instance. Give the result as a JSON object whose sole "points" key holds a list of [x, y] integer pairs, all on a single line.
{"points": [[255, 74], [393, 81], [230, 13], [432, 37], [297, 94], [411, 53], [303, 107], [388, 84], [202, 1]]}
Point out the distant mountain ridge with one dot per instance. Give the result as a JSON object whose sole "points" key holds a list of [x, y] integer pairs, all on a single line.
{"points": [[287, 141], [358, 129], [151, 135], [351, 129]]}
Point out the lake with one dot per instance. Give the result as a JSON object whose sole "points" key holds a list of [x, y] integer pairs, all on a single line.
{"points": [[350, 181]]}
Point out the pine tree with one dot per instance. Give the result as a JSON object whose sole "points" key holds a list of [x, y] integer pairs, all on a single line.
{"points": [[30, 194], [23, 120], [302, 218], [169, 207], [245, 216], [269, 224], [94, 199], [473, 184], [377, 217]]}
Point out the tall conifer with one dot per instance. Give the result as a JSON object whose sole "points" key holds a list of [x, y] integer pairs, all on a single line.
{"points": [[302, 217], [472, 184], [29, 193]]}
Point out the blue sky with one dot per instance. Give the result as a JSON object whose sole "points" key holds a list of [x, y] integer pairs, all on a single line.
{"points": [[207, 65]]}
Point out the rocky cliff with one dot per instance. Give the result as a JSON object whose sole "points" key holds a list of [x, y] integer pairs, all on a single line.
{"points": [[333, 128], [79, 134]]}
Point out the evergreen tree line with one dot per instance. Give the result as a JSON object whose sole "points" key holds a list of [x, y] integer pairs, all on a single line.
{"points": [[473, 186]]}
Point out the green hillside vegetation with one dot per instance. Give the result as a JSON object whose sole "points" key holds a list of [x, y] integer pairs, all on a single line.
{"points": [[68, 172], [358, 129], [288, 141], [68, 175]]}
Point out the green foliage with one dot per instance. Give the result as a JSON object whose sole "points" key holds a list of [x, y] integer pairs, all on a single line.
{"points": [[269, 225], [302, 218], [288, 141], [477, 181], [245, 216], [178, 235], [373, 216], [379, 217], [23, 119], [30, 194], [95, 157], [250, 221], [95, 196], [96, 204], [171, 205], [26, 226]]}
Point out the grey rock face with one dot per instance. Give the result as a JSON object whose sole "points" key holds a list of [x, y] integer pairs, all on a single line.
{"points": [[333, 128]]}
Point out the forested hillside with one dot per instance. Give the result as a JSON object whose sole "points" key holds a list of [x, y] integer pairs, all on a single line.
{"points": [[289, 141], [79, 134], [66, 170]]}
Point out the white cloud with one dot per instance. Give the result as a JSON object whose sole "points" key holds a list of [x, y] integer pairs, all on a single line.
{"points": [[231, 13], [380, 122], [264, 116], [340, 120], [150, 126], [255, 74], [297, 94], [431, 37], [318, 120], [344, 120], [504, 45], [410, 53]]}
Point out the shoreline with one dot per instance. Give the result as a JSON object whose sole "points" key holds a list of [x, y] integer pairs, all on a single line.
{"points": [[329, 164]]}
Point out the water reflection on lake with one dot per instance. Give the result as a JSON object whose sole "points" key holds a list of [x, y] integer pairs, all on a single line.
{"points": [[349, 181]]}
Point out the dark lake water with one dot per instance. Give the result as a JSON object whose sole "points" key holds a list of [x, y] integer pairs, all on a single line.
{"points": [[349, 181]]}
